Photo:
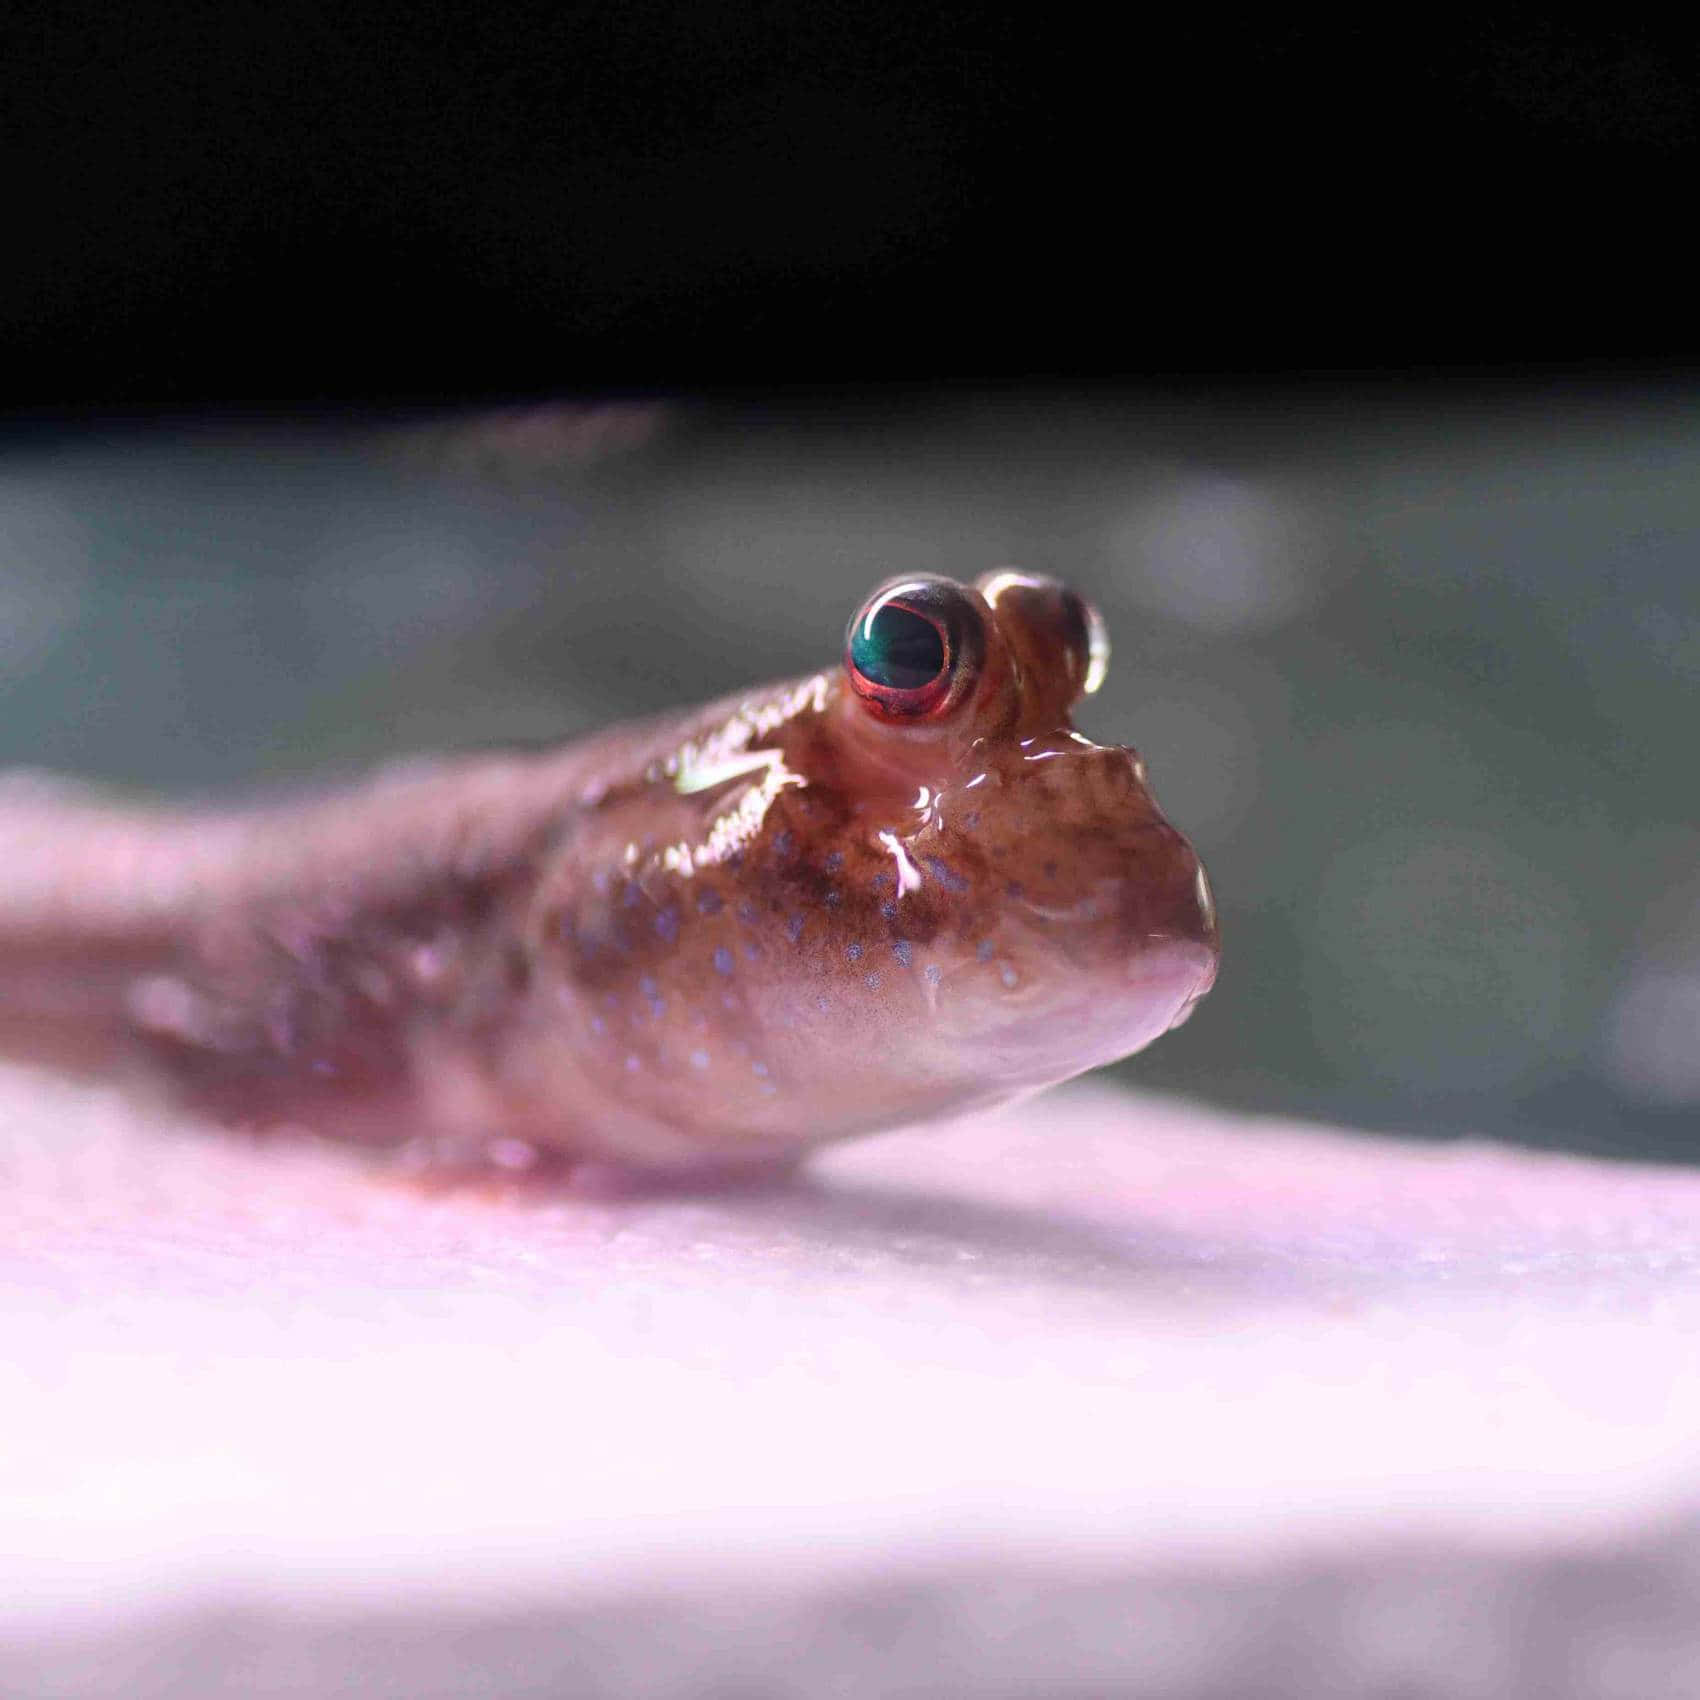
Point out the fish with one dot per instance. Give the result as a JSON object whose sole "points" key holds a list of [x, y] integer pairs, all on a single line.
{"points": [[894, 890]]}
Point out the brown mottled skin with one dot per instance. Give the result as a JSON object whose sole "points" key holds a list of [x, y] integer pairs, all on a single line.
{"points": [[724, 936]]}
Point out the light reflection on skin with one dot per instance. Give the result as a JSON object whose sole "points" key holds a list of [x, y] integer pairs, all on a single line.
{"points": [[908, 875]]}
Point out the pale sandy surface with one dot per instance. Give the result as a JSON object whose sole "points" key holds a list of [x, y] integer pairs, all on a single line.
{"points": [[1107, 1396]]}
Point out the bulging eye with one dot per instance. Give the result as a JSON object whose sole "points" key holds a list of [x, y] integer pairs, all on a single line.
{"points": [[914, 648], [1058, 628], [897, 649]]}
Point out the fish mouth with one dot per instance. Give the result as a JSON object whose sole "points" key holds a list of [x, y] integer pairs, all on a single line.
{"points": [[1049, 1028], [1177, 963], [1159, 990]]}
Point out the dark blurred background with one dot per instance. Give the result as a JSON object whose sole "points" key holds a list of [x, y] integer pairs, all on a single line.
{"points": [[1350, 372], [311, 202]]}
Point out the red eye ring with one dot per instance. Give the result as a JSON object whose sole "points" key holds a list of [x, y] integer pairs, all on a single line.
{"points": [[914, 648]]}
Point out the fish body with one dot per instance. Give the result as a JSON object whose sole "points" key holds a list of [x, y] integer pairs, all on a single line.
{"points": [[893, 890]]}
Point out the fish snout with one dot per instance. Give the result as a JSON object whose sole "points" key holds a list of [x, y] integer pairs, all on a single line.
{"points": [[1170, 941], [1166, 942]]}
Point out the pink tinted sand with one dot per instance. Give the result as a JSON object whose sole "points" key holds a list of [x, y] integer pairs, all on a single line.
{"points": [[1103, 1394]]}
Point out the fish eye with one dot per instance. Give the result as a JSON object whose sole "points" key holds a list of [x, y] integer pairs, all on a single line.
{"points": [[1060, 619], [914, 648]]}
